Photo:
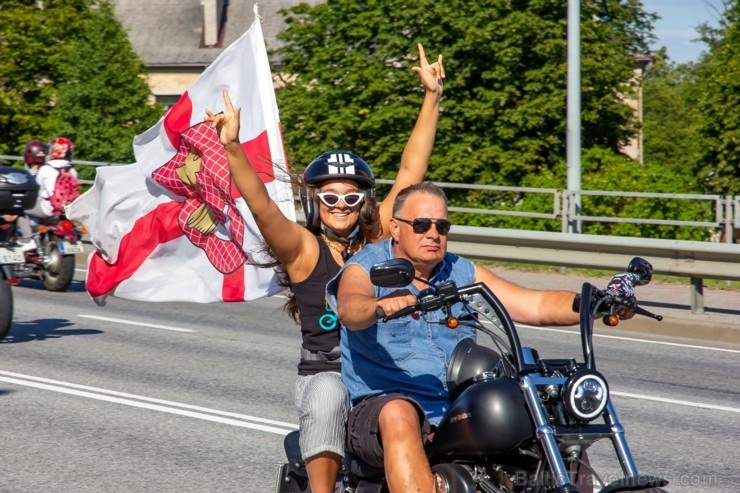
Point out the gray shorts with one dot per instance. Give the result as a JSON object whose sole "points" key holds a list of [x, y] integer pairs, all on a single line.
{"points": [[323, 404]]}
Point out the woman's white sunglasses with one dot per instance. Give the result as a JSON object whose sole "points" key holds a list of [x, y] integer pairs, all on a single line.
{"points": [[331, 199]]}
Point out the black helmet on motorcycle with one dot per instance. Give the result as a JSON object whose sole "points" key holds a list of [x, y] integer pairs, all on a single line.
{"points": [[60, 148], [333, 165], [34, 153], [468, 361]]}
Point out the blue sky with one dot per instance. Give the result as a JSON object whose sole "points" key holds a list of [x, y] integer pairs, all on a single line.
{"points": [[677, 26]]}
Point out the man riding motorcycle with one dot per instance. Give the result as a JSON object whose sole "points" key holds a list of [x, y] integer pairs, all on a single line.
{"points": [[395, 370]]}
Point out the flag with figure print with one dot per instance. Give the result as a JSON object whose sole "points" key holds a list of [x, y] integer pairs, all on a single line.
{"points": [[172, 226]]}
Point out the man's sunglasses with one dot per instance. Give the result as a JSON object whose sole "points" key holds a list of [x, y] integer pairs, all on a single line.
{"points": [[331, 199], [421, 225]]}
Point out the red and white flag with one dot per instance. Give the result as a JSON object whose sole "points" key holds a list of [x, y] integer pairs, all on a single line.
{"points": [[173, 226]]}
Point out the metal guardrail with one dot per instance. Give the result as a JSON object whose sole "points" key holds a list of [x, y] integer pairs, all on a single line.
{"points": [[695, 260], [725, 217], [670, 257]]}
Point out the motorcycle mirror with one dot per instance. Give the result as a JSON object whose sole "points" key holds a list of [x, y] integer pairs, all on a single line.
{"points": [[642, 268], [394, 273]]}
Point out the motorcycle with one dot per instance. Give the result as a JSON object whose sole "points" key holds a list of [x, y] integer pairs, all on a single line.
{"points": [[518, 423], [10, 256], [18, 191], [53, 262]]}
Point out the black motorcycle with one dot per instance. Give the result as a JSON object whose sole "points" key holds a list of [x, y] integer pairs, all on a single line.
{"points": [[10, 257], [518, 422], [18, 192]]}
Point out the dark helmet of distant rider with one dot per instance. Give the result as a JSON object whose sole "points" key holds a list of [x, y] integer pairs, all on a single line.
{"points": [[34, 155]]}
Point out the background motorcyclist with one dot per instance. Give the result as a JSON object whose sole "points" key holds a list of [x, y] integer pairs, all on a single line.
{"points": [[395, 371], [58, 157], [34, 157]]}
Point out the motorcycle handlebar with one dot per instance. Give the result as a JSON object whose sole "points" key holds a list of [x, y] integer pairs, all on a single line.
{"points": [[400, 313], [611, 300]]}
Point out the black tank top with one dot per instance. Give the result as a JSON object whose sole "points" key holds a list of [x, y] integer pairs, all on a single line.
{"points": [[319, 323]]}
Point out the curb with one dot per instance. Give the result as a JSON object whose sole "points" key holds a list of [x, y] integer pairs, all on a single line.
{"points": [[711, 331]]}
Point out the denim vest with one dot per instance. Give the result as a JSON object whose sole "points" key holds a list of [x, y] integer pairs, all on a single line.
{"points": [[404, 355]]}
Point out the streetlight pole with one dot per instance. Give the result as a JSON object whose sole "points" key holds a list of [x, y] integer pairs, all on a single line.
{"points": [[573, 137]]}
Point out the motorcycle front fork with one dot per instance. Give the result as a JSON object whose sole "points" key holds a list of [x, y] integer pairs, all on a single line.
{"points": [[549, 443]]}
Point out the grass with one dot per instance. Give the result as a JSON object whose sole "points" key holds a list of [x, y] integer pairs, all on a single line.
{"points": [[708, 283]]}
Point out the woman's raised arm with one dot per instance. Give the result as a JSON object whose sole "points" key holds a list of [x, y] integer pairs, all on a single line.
{"points": [[418, 150]]}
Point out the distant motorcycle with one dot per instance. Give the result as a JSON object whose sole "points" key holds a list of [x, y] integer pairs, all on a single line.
{"points": [[18, 192], [10, 256], [518, 422], [58, 239], [53, 262]]}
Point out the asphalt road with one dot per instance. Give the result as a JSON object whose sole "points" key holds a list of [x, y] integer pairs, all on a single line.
{"points": [[172, 397]]}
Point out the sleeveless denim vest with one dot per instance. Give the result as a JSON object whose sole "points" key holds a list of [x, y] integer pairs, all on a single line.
{"points": [[404, 355]]}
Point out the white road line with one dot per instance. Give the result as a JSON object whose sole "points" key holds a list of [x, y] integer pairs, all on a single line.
{"points": [[224, 417], [139, 324], [676, 401], [622, 338]]}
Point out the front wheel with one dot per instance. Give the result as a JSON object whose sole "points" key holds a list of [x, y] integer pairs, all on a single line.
{"points": [[6, 307], [58, 269]]}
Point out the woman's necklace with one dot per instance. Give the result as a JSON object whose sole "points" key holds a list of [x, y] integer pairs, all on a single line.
{"points": [[345, 250]]}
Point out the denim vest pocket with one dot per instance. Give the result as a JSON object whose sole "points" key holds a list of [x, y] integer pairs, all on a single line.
{"points": [[395, 343]]}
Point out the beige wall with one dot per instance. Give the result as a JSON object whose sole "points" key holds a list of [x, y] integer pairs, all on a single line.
{"points": [[171, 83], [634, 148]]}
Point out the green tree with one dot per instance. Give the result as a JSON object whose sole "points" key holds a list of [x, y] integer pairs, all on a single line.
{"points": [[671, 120], [102, 103], [605, 171], [28, 71], [67, 68], [503, 119], [719, 104]]}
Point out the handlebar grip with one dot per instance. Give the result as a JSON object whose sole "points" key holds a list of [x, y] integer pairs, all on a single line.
{"points": [[401, 313], [379, 312]]}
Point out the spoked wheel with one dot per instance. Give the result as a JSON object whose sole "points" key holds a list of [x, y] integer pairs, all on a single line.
{"points": [[58, 269], [6, 307]]}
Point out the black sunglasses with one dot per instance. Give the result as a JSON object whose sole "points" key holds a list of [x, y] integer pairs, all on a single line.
{"points": [[421, 225]]}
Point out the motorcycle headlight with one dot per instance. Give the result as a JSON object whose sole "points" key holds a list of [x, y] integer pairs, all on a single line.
{"points": [[585, 395]]}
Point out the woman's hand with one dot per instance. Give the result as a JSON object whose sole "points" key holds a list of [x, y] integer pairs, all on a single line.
{"points": [[226, 123], [431, 75]]}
